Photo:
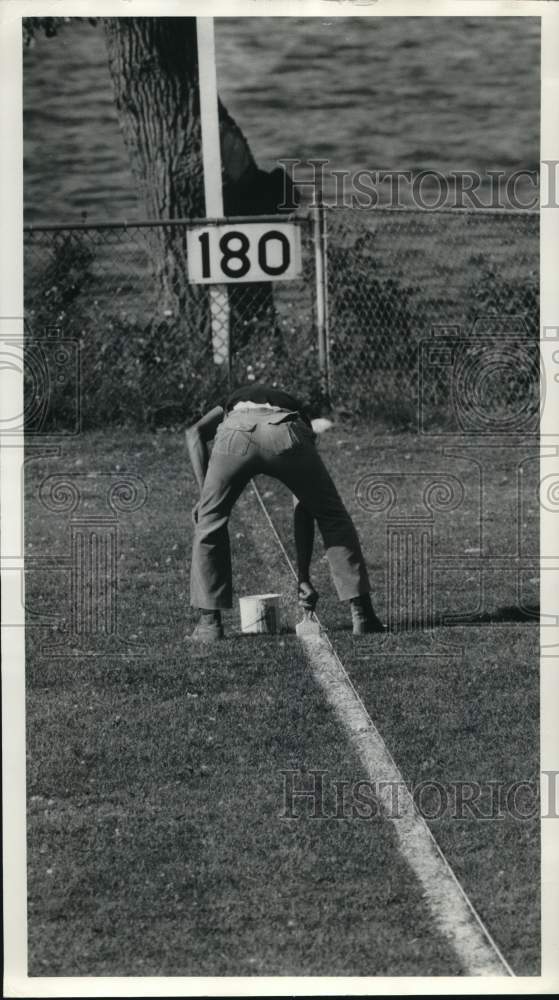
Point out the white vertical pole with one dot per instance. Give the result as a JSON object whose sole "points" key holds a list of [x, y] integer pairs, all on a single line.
{"points": [[211, 158], [323, 220]]}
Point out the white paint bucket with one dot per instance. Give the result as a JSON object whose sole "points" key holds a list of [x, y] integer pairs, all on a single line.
{"points": [[260, 613]]}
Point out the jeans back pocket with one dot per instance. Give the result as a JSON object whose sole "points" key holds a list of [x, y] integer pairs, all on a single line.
{"points": [[234, 436], [301, 433]]}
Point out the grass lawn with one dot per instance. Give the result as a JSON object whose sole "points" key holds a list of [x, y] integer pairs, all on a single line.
{"points": [[156, 840]]}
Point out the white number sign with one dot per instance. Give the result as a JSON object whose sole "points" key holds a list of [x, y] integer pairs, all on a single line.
{"points": [[248, 251]]}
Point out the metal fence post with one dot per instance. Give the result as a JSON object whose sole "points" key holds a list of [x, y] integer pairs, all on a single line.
{"points": [[321, 276], [383, 281]]}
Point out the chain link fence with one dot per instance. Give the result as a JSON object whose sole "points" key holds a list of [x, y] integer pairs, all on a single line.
{"points": [[435, 315], [148, 340]]}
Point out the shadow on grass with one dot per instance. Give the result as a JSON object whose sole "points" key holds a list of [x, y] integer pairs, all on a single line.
{"points": [[509, 614]]}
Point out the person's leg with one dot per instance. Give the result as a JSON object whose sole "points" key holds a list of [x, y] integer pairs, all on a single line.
{"points": [[303, 471], [210, 575]]}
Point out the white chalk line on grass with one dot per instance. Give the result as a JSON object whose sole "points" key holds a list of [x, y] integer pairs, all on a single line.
{"points": [[452, 910]]}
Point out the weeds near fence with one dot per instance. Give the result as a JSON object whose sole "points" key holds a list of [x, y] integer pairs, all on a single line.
{"points": [[491, 293], [392, 278]]}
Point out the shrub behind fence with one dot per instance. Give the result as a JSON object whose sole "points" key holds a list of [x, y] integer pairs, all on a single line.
{"points": [[120, 292], [395, 276]]}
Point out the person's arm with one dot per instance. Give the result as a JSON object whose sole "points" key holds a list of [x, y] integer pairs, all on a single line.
{"points": [[197, 438], [303, 528]]}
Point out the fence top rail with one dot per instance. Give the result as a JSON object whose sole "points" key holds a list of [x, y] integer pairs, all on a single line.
{"points": [[301, 216], [162, 223], [414, 210]]}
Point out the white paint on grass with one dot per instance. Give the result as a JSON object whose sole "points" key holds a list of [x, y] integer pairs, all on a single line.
{"points": [[452, 911]]}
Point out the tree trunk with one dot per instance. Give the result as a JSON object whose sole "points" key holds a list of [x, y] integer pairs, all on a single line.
{"points": [[154, 68]]}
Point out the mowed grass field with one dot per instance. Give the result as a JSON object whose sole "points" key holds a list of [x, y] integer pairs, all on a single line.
{"points": [[157, 837]]}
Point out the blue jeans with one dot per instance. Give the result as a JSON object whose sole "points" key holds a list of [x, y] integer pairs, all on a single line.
{"points": [[278, 444]]}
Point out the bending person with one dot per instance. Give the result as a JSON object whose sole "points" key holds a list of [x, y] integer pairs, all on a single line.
{"points": [[264, 430]]}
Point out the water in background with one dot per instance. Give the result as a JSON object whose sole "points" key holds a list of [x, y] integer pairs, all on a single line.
{"points": [[366, 93]]}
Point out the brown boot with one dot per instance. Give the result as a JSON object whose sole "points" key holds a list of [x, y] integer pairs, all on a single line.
{"points": [[363, 617], [208, 629]]}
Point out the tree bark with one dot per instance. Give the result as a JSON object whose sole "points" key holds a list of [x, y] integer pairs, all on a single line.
{"points": [[154, 69]]}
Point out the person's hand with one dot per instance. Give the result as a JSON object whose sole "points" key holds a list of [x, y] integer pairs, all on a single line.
{"points": [[195, 511], [307, 596]]}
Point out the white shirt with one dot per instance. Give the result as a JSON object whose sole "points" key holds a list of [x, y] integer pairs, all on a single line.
{"points": [[254, 406]]}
